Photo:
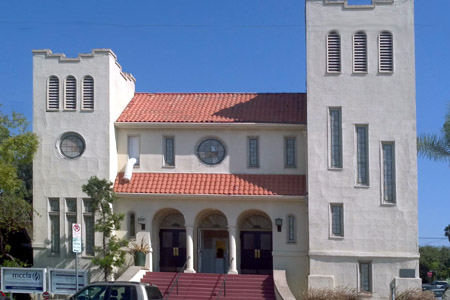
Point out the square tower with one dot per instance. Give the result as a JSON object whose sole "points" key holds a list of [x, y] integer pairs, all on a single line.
{"points": [[362, 164]]}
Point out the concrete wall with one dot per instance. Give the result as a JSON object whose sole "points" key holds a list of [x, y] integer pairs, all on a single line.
{"points": [[386, 103], [271, 149]]}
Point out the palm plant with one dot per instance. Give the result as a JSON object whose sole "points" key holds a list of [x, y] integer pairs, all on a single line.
{"points": [[436, 147]]}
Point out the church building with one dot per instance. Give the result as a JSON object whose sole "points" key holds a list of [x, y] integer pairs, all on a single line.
{"points": [[320, 185]]}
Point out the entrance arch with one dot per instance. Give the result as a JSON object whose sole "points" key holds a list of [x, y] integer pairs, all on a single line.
{"points": [[256, 245], [213, 243], [172, 241]]}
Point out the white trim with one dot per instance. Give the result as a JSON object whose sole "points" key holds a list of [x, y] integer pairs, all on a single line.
{"points": [[363, 254], [138, 125]]}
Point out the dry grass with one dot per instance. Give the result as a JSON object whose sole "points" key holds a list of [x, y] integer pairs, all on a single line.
{"points": [[415, 295], [327, 294]]}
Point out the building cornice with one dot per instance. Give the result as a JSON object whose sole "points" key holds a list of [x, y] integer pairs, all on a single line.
{"points": [[178, 125]]}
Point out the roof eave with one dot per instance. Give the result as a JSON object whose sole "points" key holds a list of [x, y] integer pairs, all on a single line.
{"points": [[288, 198], [234, 125]]}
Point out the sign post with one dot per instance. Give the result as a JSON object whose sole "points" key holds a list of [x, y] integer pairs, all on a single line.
{"points": [[76, 248]]}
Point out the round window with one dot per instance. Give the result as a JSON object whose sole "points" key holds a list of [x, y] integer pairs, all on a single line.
{"points": [[211, 151], [72, 145]]}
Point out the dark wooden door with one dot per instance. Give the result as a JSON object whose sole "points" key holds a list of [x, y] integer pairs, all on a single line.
{"points": [[172, 249], [256, 252]]}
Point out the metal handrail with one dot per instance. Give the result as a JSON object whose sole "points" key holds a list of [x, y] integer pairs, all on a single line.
{"points": [[176, 279], [224, 282]]}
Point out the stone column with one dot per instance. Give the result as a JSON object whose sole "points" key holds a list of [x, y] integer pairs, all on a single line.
{"points": [[232, 238], [190, 249]]}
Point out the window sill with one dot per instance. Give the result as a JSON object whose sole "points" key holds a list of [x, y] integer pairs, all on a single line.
{"points": [[168, 167], [53, 254], [388, 204], [362, 186], [336, 237], [252, 167], [335, 169]]}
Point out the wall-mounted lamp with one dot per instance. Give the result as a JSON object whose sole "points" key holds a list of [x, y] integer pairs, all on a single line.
{"points": [[279, 223]]}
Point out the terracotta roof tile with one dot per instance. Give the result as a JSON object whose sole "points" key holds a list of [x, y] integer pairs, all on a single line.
{"points": [[213, 184], [216, 108]]}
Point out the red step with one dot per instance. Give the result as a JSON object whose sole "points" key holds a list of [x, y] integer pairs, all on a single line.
{"points": [[202, 286]]}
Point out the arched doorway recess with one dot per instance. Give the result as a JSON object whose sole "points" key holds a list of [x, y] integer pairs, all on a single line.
{"points": [[172, 237], [256, 245], [213, 244]]}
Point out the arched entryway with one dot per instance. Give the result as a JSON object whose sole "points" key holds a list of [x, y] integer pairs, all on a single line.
{"points": [[256, 245], [172, 241], [213, 243]]}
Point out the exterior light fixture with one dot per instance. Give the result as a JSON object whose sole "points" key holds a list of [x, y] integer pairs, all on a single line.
{"points": [[279, 223]]}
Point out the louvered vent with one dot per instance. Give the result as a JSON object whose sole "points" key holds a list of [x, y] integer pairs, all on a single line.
{"points": [[71, 93], [334, 53], [386, 56], [360, 53], [53, 93], [88, 92]]}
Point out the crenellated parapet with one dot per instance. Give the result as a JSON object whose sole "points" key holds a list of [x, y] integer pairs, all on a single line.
{"points": [[61, 57], [350, 5]]}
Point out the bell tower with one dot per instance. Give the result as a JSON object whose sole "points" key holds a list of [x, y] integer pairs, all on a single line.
{"points": [[362, 164]]}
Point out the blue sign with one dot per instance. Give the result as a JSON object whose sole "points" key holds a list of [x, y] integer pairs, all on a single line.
{"points": [[23, 280]]}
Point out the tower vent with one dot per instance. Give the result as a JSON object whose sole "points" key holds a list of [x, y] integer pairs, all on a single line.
{"points": [[360, 53], [88, 93], [333, 53], [71, 93], [386, 57], [53, 93]]}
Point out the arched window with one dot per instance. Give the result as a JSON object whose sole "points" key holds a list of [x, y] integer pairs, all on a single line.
{"points": [[385, 52], [360, 53], [88, 93], [70, 95], [333, 52], [53, 93]]}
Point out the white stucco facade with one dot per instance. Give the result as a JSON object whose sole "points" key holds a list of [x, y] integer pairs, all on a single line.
{"points": [[379, 234]]}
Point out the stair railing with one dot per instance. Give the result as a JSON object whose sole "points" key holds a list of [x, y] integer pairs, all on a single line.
{"points": [[224, 282], [175, 282]]}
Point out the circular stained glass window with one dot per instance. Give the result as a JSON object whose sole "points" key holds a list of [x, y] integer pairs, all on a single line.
{"points": [[211, 151], [72, 145]]}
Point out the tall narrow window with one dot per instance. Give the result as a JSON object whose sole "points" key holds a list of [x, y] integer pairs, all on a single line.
{"points": [[88, 93], [333, 53], [169, 151], [385, 52], [290, 149], [70, 94], [291, 229], [54, 224], [335, 138], [337, 220], [362, 159], [132, 224], [71, 218], [360, 53], [388, 149], [89, 234], [133, 148], [253, 152], [365, 277], [53, 93]]}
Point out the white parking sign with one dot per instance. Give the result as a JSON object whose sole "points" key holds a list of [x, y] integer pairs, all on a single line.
{"points": [[76, 238]]}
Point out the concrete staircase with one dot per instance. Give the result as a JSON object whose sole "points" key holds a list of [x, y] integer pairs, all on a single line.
{"points": [[202, 286]]}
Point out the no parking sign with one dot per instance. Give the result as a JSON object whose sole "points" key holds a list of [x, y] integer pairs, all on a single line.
{"points": [[76, 238]]}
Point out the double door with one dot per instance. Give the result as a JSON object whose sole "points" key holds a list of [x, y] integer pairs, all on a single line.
{"points": [[172, 249], [256, 252]]}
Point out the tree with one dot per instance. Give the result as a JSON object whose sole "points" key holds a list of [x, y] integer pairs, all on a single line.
{"points": [[109, 255], [17, 147], [437, 147]]}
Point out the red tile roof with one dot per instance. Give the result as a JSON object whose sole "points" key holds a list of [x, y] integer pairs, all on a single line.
{"points": [[216, 108], [212, 184]]}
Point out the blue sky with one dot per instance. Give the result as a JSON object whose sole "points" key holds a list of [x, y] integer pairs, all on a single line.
{"points": [[218, 46]]}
